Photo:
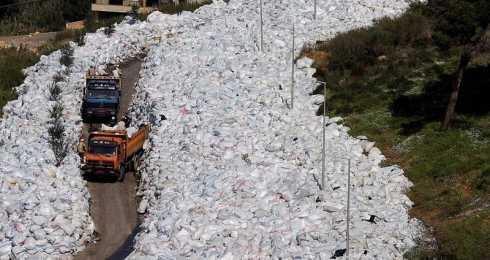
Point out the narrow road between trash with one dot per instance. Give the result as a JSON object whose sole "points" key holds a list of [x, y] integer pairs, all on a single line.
{"points": [[113, 204]]}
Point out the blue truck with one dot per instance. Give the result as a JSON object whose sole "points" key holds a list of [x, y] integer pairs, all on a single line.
{"points": [[101, 98]]}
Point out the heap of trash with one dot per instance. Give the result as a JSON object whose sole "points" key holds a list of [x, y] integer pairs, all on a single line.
{"points": [[44, 208], [235, 167], [235, 164]]}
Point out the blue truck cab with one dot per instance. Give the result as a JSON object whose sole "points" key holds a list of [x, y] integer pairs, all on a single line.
{"points": [[101, 98]]}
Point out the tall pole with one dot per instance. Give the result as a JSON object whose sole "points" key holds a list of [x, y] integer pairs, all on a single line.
{"points": [[348, 209], [323, 136], [314, 9], [261, 28], [292, 70]]}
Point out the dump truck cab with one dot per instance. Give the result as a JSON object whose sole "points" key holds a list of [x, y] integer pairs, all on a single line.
{"points": [[105, 151], [110, 153], [101, 98]]}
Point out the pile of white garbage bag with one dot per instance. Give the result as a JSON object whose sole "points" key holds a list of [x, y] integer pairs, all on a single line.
{"points": [[235, 166], [44, 210]]}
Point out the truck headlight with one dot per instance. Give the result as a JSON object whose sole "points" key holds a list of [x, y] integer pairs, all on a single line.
{"points": [[113, 118]]}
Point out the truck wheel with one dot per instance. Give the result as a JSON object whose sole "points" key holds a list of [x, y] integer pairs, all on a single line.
{"points": [[122, 173]]}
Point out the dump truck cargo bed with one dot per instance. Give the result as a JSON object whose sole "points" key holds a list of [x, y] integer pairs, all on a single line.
{"points": [[112, 152]]}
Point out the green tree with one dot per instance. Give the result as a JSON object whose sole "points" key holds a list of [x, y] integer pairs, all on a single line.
{"points": [[456, 22], [74, 10], [459, 23]]}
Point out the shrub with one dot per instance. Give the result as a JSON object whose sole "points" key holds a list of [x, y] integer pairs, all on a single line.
{"points": [[457, 21], [56, 132], [56, 112], [57, 78], [92, 24], [134, 13], [484, 180], [66, 56], [57, 141], [187, 5], [43, 16], [354, 50], [109, 30], [467, 238], [12, 61], [54, 92], [80, 37]]}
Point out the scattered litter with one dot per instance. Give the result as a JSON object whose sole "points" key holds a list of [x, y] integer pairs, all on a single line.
{"points": [[338, 253]]}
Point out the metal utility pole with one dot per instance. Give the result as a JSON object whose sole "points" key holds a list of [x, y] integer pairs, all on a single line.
{"points": [[348, 209], [261, 28], [292, 69], [314, 10], [323, 137]]}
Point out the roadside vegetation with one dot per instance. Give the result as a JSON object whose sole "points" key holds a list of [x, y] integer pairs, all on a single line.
{"points": [[12, 61], [24, 17], [188, 5], [393, 81], [56, 129]]}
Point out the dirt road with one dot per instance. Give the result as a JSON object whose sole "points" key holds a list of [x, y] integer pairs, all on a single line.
{"points": [[32, 41], [114, 204]]}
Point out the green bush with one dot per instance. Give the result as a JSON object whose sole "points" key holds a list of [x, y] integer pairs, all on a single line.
{"points": [[92, 24], [80, 37], [37, 16], [66, 58], [56, 132], [357, 49], [56, 112], [457, 21], [181, 7], [483, 182], [54, 92], [468, 238], [43, 16], [12, 61], [109, 30]]}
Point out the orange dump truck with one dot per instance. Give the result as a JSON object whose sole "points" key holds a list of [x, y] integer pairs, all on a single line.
{"points": [[111, 153]]}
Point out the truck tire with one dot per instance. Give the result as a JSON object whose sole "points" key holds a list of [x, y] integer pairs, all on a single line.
{"points": [[122, 173]]}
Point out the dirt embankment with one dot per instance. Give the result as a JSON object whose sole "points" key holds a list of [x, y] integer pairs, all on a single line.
{"points": [[31, 41]]}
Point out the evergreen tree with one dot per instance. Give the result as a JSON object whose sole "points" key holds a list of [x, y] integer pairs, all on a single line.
{"points": [[459, 23]]}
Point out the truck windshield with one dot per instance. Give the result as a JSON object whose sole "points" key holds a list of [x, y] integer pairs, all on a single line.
{"points": [[102, 93], [100, 147]]}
